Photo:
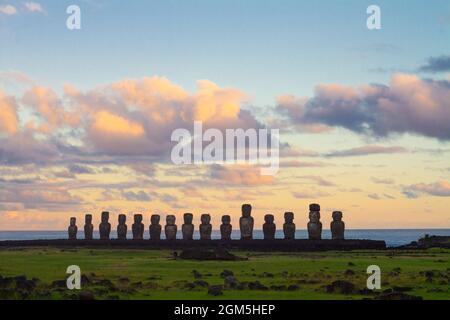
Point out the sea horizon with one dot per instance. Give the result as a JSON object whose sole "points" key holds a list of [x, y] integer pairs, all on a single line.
{"points": [[393, 237]]}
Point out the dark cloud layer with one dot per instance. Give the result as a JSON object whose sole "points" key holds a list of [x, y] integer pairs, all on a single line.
{"points": [[436, 64], [407, 105]]}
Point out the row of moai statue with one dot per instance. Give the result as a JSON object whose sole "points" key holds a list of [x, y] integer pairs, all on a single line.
{"points": [[246, 224]]}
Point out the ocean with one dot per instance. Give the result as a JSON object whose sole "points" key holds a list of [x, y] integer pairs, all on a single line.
{"points": [[393, 237]]}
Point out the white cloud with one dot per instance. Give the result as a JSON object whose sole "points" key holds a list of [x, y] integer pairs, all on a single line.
{"points": [[33, 7], [8, 9]]}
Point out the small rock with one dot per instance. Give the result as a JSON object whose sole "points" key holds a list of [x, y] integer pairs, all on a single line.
{"points": [[225, 273], [231, 282], [340, 286], [215, 291]]}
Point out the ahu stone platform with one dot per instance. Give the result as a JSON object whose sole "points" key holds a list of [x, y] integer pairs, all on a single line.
{"points": [[276, 245]]}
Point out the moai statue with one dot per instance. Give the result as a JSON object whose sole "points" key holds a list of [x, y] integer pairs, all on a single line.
{"points": [[205, 227], [269, 227], [314, 224], [155, 227], [73, 229], [105, 226], [88, 227], [138, 227], [170, 228], [122, 227], [226, 228], [188, 228], [337, 226], [289, 226], [246, 223]]}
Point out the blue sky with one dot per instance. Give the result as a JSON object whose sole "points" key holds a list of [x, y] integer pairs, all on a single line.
{"points": [[265, 48]]}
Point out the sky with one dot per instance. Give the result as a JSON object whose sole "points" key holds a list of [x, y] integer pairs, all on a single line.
{"points": [[86, 115]]}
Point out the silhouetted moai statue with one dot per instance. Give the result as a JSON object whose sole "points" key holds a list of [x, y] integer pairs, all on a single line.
{"points": [[105, 226], [170, 228], [188, 228], [226, 228], [314, 224], [138, 227], [122, 228], [246, 222], [73, 229], [289, 226], [205, 227], [337, 226], [269, 227], [88, 227], [155, 227]]}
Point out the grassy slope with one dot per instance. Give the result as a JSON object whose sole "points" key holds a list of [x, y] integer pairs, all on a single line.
{"points": [[316, 269]]}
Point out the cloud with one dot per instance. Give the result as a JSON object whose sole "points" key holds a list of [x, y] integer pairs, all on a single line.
{"points": [[407, 105], [318, 181], [436, 64], [365, 150], [34, 7], [136, 196], [80, 169], [9, 121], [309, 194], [438, 189], [383, 181], [242, 175], [8, 10]]}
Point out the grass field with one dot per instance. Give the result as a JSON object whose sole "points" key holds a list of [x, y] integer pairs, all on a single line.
{"points": [[147, 274]]}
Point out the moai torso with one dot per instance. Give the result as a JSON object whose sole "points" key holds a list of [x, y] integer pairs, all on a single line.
{"points": [[314, 224], [226, 228], [205, 227], [188, 228], [170, 228], [88, 227], [105, 226], [289, 226], [269, 227], [73, 229], [246, 223], [138, 227], [122, 228], [337, 226], [155, 227]]}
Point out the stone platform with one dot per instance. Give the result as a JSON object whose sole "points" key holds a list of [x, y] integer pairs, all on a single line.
{"points": [[250, 245]]}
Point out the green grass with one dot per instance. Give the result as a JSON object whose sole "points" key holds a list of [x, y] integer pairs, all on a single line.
{"points": [[162, 277]]}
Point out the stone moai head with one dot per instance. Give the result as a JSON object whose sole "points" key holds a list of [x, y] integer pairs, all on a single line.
{"points": [[314, 217], [337, 216], [138, 218], [122, 218], [88, 219], [314, 207], [188, 217], [226, 219], [269, 218], [205, 218], [155, 218], [105, 217], [289, 217], [170, 219], [73, 222], [246, 210]]}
